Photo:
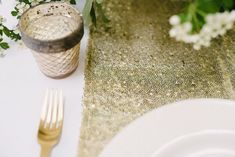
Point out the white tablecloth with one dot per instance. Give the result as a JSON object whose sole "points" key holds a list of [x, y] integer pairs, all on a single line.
{"points": [[22, 88]]}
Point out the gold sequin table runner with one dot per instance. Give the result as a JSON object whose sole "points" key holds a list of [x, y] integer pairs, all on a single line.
{"points": [[133, 66]]}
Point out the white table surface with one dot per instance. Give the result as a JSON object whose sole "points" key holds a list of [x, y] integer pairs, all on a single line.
{"points": [[22, 88]]}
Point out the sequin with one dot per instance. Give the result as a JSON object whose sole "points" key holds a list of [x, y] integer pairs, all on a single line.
{"points": [[133, 67]]}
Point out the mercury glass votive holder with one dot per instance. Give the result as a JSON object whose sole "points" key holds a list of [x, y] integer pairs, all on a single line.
{"points": [[53, 32]]}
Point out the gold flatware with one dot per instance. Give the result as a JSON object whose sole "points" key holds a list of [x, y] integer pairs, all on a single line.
{"points": [[51, 122]]}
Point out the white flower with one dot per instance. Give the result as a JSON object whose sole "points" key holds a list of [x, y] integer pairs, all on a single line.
{"points": [[206, 29], [194, 38], [206, 44], [187, 26], [174, 20], [34, 3], [222, 32], [216, 24], [187, 39], [214, 34], [16, 31], [173, 32], [22, 7], [229, 25], [232, 15], [197, 47], [204, 37], [210, 19], [27, 6]]}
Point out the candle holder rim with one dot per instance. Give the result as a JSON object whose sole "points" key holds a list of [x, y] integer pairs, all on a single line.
{"points": [[74, 36]]}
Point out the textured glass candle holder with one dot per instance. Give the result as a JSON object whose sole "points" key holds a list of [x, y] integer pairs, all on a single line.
{"points": [[53, 32]]}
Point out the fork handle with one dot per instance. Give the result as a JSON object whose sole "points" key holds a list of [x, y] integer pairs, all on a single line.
{"points": [[45, 151]]}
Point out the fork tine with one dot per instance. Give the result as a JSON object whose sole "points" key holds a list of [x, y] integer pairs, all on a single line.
{"points": [[61, 108], [49, 111], [55, 108], [45, 105]]}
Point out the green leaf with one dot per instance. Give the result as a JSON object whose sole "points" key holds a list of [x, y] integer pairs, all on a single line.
{"points": [[185, 17], [72, 1], [16, 9], [1, 40], [11, 34], [26, 1], [93, 15], [198, 21], [101, 13], [16, 37], [228, 4], [14, 13], [99, 1], [6, 31], [209, 6], [4, 45], [86, 11]]}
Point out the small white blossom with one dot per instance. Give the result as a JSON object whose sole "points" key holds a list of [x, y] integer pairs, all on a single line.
{"points": [[210, 19], [173, 32], [27, 6], [16, 31], [207, 44], [206, 30], [197, 47], [194, 38], [22, 7], [187, 26], [222, 32], [35, 2], [232, 15], [174, 20]]}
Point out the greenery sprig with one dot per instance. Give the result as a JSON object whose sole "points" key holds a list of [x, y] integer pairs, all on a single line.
{"points": [[203, 20], [195, 12], [10, 33], [91, 8]]}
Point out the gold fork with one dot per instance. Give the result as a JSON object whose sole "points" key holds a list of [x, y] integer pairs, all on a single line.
{"points": [[51, 122]]}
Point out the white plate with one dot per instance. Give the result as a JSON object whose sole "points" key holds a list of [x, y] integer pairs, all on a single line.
{"points": [[213, 143], [192, 128]]}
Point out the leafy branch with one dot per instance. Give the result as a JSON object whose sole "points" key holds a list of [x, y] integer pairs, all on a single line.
{"points": [[91, 8], [4, 31], [196, 11], [203, 20]]}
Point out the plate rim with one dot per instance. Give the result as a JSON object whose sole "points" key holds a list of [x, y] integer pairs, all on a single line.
{"points": [[164, 107], [177, 140]]}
